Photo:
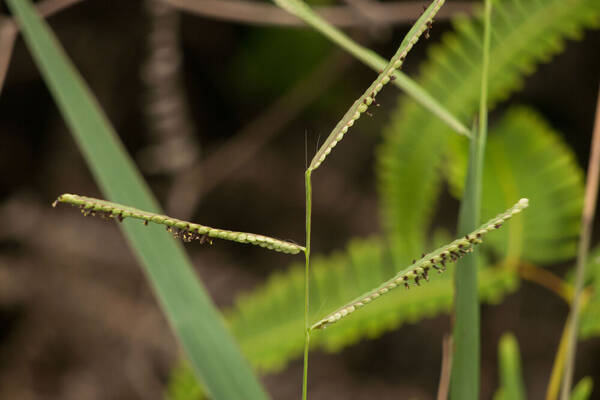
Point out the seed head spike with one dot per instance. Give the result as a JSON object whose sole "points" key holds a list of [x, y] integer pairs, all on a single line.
{"points": [[418, 270], [183, 230]]}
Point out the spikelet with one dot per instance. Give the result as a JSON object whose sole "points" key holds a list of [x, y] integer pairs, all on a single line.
{"points": [[187, 231], [419, 270]]}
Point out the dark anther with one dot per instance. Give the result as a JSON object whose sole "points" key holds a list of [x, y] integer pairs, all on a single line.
{"points": [[462, 251], [393, 77], [422, 255], [406, 285], [497, 226], [425, 276], [120, 217], [414, 261], [417, 281], [443, 255], [460, 246], [145, 222], [205, 239]]}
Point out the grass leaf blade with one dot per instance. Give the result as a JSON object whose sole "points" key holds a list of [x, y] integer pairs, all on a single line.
{"points": [[464, 383], [197, 323]]}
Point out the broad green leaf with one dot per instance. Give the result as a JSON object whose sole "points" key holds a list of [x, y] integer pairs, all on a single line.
{"points": [[193, 317]]}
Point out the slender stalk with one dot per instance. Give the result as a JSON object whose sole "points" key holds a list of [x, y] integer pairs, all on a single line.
{"points": [[546, 279], [559, 358], [444, 385], [465, 366], [306, 280], [587, 218], [559, 363]]}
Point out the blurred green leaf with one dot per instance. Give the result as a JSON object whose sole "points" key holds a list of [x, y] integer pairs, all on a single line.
{"points": [[589, 322], [583, 389], [193, 317], [511, 376]]}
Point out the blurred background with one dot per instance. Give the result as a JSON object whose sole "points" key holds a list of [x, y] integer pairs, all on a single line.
{"points": [[215, 104]]}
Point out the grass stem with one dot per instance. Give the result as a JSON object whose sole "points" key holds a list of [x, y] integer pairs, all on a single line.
{"points": [[587, 218], [306, 280]]}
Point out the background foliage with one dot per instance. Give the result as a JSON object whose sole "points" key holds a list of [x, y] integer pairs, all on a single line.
{"points": [[414, 161]]}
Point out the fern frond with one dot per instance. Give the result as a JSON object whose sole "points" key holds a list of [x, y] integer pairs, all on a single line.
{"points": [[419, 269], [525, 157], [361, 105], [524, 33], [187, 231]]}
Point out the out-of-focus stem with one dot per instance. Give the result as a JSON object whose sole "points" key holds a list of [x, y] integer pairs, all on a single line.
{"points": [[587, 218]]}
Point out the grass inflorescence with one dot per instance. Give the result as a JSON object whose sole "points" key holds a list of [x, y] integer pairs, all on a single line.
{"points": [[419, 270], [362, 104], [187, 231]]}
